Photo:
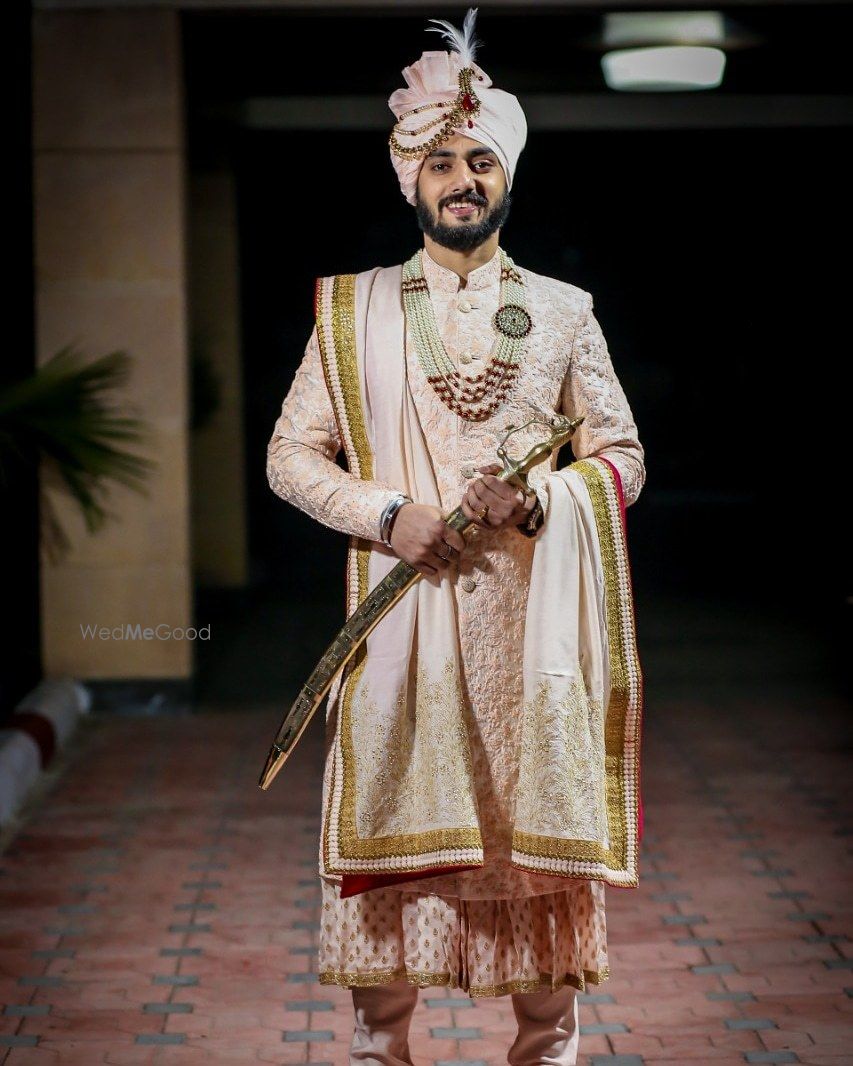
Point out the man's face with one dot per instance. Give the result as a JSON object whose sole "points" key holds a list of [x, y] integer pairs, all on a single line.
{"points": [[462, 197]]}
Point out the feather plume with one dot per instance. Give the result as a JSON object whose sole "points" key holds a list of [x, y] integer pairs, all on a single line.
{"points": [[464, 43]]}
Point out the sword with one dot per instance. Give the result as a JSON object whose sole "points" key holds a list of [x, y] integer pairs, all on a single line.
{"points": [[391, 588]]}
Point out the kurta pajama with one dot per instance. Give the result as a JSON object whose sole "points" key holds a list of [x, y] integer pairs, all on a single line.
{"points": [[495, 929]]}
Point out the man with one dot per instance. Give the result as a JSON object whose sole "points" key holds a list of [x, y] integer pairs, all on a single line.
{"points": [[481, 781]]}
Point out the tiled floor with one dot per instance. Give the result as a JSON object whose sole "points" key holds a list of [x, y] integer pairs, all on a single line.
{"points": [[156, 906]]}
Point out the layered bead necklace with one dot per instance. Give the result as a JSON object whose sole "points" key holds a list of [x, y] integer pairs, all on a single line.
{"points": [[477, 398]]}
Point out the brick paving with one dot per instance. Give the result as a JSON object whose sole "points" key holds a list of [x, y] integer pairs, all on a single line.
{"points": [[157, 907]]}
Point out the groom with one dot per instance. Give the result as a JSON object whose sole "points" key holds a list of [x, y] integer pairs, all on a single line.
{"points": [[474, 805]]}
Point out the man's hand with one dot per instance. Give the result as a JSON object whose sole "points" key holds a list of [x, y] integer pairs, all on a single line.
{"points": [[422, 538], [508, 506]]}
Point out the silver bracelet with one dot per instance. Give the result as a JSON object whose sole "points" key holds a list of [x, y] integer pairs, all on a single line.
{"points": [[391, 508]]}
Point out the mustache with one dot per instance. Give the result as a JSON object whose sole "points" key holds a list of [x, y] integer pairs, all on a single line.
{"points": [[471, 198]]}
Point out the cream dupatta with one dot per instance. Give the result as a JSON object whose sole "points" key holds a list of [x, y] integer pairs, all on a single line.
{"points": [[399, 798]]}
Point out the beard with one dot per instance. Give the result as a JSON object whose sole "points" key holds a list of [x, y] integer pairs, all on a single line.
{"points": [[463, 236]]}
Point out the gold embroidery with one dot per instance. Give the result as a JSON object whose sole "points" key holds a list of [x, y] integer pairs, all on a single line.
{"points": [[620, 620], [562, 762], [343, 329], [427, 771], [336, 305], [424, 980]]}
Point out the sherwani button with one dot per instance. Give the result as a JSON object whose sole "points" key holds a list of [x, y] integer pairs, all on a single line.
{"points": [[468, 583], [467, 471], [465, 305], [465, 357]]}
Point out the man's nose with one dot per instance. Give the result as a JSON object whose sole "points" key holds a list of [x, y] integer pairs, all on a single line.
{"points": [[464, 181]]}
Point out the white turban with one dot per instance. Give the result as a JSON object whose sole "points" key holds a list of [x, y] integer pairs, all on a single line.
{"points": [[434, 79]]}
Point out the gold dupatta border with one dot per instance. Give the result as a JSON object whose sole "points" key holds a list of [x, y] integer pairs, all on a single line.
{"points": [[583, 858], [336, 331], [622, 725], [335, 305]]}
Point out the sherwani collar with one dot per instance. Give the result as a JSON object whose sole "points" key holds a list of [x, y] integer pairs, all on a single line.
{"points": [[442, 279]]}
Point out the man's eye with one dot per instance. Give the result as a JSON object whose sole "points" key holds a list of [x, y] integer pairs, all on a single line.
{"points": [[437, 165]]}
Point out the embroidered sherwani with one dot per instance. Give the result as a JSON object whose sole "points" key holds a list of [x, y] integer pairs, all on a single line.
{"points": [[498, 928]]}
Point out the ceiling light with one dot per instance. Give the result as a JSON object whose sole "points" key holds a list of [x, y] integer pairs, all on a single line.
{"points": [[629, 29], [668, 68]]}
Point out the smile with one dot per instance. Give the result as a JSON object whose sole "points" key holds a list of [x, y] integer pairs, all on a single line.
{"points": [[461, 209]]}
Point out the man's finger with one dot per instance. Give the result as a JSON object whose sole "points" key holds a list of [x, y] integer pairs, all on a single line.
{"points": [[487, 495], [470, 511], [455, 539], [498, 487]]}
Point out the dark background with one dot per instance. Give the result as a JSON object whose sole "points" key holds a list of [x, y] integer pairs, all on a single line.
{"points": [[717, 258], [713, 259]]}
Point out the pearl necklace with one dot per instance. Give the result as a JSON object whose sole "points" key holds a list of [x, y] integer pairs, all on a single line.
{"points": [[474, 399]]}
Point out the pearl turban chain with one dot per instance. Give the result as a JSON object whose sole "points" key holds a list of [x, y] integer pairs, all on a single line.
{"points": [[447, 93]]}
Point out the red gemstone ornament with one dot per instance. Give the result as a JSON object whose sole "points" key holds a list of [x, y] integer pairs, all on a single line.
{"points": [[470, 124], [467, 103]]}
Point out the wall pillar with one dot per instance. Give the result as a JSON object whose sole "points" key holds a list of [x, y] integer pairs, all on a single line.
{"points": [[109, 195]]}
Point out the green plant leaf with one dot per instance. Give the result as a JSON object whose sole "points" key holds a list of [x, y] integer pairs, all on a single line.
{"points": [[65, 416]]}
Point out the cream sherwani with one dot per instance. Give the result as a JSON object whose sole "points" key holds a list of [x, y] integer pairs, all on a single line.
{"points": [[496, 929]]}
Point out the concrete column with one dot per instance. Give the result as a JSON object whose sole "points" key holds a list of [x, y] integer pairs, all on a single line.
{"points": [[111, 273]]}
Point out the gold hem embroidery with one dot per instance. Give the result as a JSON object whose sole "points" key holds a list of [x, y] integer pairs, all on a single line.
{"points": [[426, 980]]}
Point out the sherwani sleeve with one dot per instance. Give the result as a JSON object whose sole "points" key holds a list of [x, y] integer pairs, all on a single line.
{"points": [[592, 389], [301, 453]]}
